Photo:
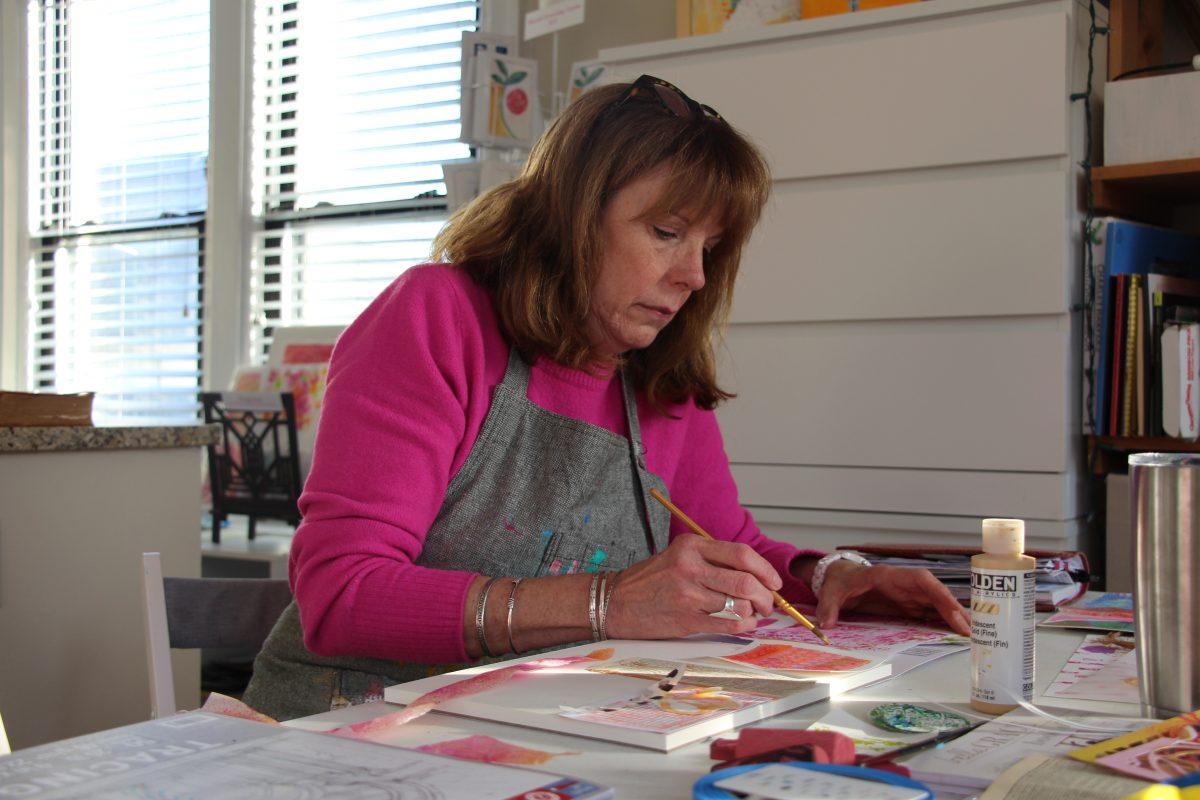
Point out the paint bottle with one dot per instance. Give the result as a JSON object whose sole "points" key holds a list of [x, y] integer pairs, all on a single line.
{"points": [[1003, 595]]}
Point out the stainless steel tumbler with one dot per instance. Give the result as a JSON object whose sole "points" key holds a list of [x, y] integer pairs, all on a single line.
{"points": [[1166, 582]]}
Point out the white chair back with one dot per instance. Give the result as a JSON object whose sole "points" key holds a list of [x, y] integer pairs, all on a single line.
{"points": [[158, 640]]}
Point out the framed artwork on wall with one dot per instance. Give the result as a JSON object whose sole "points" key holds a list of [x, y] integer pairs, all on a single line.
{"points": [[700, 17]]}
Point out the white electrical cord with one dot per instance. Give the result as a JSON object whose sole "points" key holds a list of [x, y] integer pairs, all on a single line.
{"points": [[1068, 724]]}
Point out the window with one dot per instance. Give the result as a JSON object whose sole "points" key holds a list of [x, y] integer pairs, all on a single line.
{"points": [[355, 108], [118, 127]]}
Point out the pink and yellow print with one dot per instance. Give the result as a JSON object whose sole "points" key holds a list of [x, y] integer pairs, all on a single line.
{"points": [[858, 636]]}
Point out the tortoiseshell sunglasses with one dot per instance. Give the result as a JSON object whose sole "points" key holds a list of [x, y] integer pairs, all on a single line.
{"points": [[669, 96]]}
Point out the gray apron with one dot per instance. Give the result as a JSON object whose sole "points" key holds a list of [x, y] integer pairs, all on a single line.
{"points": [[539, 494]]}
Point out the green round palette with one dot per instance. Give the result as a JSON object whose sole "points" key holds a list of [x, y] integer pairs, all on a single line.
{"points": [[909, 718]]}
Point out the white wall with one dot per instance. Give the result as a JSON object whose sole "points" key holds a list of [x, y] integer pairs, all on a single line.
{"points": [[608, 23]]}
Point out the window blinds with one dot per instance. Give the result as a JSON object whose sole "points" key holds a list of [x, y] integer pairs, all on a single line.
{"points": [[355, 108], [119, 135]]}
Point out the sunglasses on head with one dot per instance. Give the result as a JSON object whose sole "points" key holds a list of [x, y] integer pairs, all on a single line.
{"points": [[668, 96]]}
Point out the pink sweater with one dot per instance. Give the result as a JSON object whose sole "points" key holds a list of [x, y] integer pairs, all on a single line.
{"points": [[409, 386]]}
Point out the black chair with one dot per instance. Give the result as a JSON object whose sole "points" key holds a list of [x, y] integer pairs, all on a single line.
{"points": [[255, 469], [228, 613]]}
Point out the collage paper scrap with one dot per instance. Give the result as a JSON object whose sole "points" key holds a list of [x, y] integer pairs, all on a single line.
{"points": [[676, 711], [794, 657], [489, 750], [710, 675], [1096, 611], [872, 637], [867, 743], [1098, 670]]}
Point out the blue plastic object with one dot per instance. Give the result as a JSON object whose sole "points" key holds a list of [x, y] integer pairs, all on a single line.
{"points": [[706, 788]]}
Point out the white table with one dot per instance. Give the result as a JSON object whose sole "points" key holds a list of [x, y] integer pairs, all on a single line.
{"points": [[639, 773]]}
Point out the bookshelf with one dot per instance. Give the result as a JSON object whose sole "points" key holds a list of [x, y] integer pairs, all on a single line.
{"points": [[1111, 451], [1146, 192]]}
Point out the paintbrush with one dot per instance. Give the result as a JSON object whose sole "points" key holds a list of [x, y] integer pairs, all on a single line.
{"points": [[935, 741], [781, 604]]}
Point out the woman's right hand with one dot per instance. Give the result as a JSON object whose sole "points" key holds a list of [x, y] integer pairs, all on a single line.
{"points": [[673, 593]]}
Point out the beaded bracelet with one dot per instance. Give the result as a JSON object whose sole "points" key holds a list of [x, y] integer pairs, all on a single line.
{"points": [[480, 613], [512, 603]]}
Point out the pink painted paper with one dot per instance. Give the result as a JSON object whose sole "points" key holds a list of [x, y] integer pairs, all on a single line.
{"points": [[1115, 682], [1087, 674], [787, 656], [491, 751], [307, 385], [307, 353], [231, 707], [464, 688], [858, 636]]}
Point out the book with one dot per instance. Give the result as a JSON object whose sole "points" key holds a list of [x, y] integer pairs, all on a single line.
{"points": [[1093, 328], [1120, 301], [1141, 355], [1170, 300], [1181, 387], [605, 700], [1129, 357], [973, 761], [41, 409], [1046, 776], [1132, 248], [202, 755]]}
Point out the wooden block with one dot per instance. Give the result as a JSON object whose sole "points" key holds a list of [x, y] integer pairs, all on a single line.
{"points": [[26, 409]]}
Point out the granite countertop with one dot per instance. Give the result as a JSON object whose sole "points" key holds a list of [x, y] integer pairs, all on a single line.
{"points": [[87, 437]]}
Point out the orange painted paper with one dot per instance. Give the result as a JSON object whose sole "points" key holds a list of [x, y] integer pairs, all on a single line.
{"points": [[786, 656]]}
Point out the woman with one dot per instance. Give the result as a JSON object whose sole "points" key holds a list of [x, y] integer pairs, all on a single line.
{"points": [[493, 425]]}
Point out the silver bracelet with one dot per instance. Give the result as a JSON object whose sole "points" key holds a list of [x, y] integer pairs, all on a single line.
{"points": [[480, 612], [592, 608], [512, 603], [818, 576], [606, 590]]}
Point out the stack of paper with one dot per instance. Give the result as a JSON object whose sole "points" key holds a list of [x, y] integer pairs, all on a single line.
{"points": [[200, 755], [1056, 582]]}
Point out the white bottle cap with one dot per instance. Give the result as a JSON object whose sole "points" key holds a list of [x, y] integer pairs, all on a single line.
{"points": [[1003, 536]]}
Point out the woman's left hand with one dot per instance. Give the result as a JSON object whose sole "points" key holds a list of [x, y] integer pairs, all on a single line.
{"points": [[897, 591]]}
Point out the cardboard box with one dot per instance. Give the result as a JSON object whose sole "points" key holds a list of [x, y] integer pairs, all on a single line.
{"points": [[1155, 118]]}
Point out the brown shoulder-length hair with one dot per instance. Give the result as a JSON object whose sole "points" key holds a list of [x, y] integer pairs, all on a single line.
{"points": [[535, 242]]}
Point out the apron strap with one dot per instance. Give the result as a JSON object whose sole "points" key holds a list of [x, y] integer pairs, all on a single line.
{"points": [[637, 455], [516, 374]]}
